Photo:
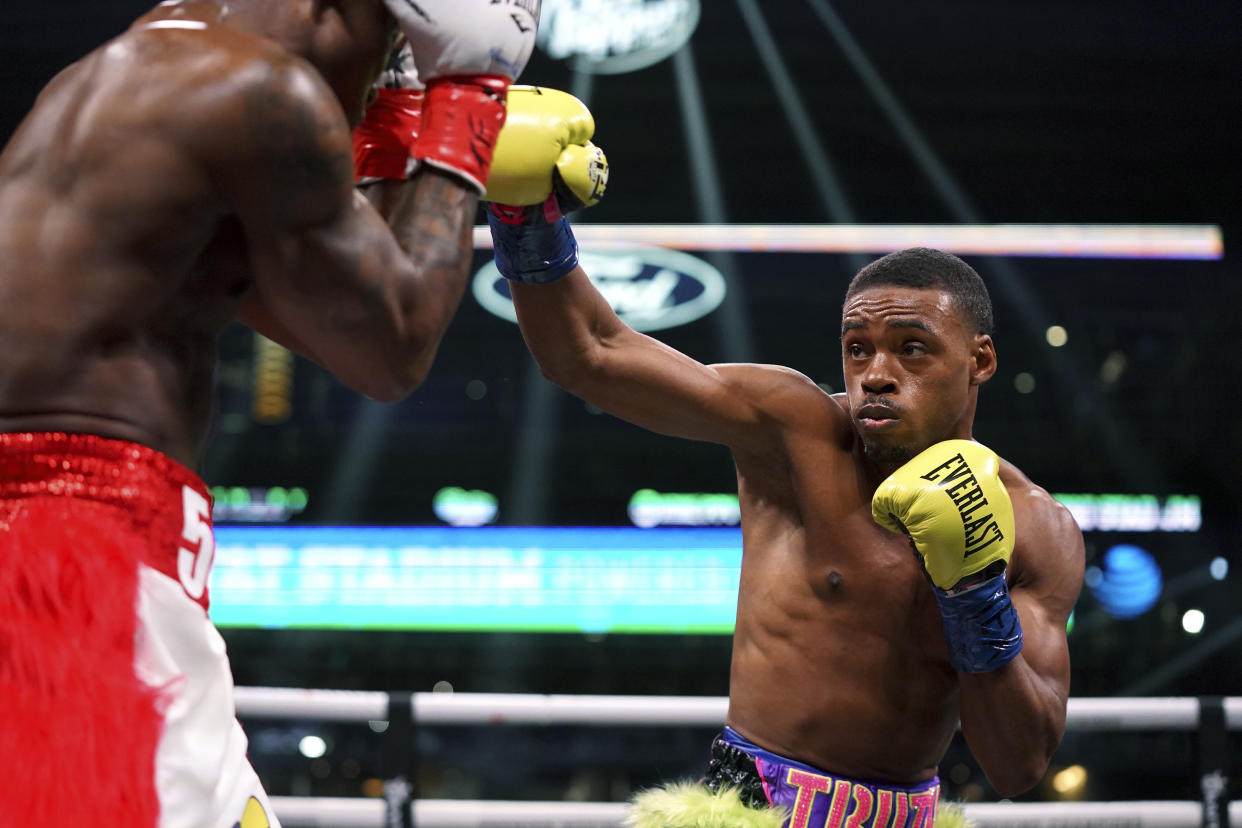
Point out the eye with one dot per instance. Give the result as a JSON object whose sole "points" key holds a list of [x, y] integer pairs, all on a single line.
{"points": [[913, 348], [853, 349]]}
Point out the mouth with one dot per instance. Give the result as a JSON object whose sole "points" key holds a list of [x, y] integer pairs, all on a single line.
{"points": [[875, 416]]}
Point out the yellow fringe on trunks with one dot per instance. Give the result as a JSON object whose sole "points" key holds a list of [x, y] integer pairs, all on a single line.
{"points": [[690, 805]]}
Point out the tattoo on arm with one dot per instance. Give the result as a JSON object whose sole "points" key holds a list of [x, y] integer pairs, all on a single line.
{"points": [[335, 252], [303, 154]]}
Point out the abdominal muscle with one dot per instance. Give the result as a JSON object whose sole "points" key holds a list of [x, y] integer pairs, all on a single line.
{"points": [[141, 396], [839, 660]]}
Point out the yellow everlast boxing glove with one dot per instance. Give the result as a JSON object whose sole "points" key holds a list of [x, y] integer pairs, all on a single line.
{"points": [[544, 167], [950, 501], [545, 147]]}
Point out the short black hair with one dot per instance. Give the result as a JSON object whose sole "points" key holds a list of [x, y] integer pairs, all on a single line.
{"points": [[925, 267]]}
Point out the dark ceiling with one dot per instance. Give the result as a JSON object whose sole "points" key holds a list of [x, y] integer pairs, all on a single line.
{"points": [[1058, 111]]}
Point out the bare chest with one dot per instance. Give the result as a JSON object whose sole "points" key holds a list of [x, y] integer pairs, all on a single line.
{"points": [[820, 560]]}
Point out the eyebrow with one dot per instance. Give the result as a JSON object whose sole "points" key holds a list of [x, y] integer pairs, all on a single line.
{"points": [[896, 322]]}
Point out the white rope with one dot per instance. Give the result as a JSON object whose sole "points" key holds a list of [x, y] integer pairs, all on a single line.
{"points": [[449, 813], [527, 708], [320, 705], [1084, 714], [1091, 714], [1155, 241], [294, 812]]}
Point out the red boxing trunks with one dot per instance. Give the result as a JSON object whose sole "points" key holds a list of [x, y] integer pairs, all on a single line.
{"points": [[116, 692]]}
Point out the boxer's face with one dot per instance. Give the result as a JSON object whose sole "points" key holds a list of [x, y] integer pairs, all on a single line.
{"points": [[912, 370]]}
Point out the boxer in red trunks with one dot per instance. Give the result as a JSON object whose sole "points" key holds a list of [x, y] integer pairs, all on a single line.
{"points": [[200, 167]]}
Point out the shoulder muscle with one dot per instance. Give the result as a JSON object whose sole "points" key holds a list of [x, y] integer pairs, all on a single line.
{"points": [[1049, 550], [785, 398], [292, 165]]}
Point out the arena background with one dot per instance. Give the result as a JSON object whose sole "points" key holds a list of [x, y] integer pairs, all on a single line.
{"points": [[878, 113]]}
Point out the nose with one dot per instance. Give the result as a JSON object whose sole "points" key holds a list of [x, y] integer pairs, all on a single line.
{"points": [[878, 377]]}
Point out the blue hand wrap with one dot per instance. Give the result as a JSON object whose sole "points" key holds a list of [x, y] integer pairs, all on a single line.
{"points": [[981, 626], [533, 253]]}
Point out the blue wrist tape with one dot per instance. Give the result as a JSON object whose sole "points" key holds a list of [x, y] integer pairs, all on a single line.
{"points": [[981, 626], [534, 254]]}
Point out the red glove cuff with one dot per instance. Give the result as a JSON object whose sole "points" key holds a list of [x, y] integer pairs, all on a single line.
{"points": [[461, 119], [383, 142]]}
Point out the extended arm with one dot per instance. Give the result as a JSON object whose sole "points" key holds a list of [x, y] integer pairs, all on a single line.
{"points": [[545, 166], [582, 346]]}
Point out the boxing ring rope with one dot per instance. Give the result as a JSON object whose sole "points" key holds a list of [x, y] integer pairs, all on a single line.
{"points": [[1209, 716], [1122, 241]]}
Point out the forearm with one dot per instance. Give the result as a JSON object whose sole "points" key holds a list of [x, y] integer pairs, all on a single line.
{"points": [[1013, 720], [564, 325], [581, 345], [255, 314], [432, 217]]}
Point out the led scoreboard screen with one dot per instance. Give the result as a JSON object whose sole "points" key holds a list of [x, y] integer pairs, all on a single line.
{"points": [[648, 578], [519, 579]]}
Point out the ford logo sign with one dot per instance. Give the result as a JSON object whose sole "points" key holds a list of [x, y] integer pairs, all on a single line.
{"points": [[613, 36], [650, 288]]}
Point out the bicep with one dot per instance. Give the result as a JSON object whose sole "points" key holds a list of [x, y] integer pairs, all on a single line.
{"points": [[1044, 591], [322, 259]]}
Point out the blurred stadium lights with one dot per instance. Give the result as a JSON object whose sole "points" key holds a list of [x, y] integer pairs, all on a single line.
{"points": [[1070, 782], [1093, 512], [1128, 582], [816, 157], [734, 338], [1155, 680], [526, 495], [1173, 589], [357, 460], [918, 146], [1192, 621], [1056, 336], [272, 377], [461, 507], [609, 37], [1118, 443], [1188, 242], [257, 504], [312, 746]]}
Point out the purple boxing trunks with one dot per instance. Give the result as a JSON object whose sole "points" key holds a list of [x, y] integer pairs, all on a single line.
{"points": [[815, 798]]}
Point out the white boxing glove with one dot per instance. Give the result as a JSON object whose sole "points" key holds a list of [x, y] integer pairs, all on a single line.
{"points": [[467, 53], [468, 37]]}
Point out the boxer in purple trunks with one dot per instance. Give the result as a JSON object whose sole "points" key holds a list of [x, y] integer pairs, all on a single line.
{"points": [[814, 798], [898, 579]]}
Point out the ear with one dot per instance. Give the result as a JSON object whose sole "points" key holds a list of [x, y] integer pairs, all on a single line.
{"points": [[982, 359]]}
